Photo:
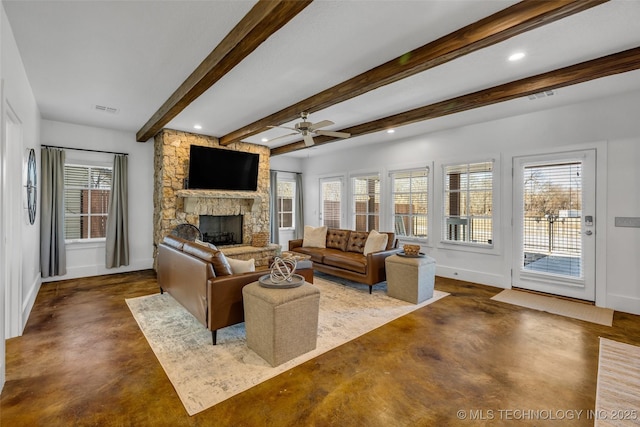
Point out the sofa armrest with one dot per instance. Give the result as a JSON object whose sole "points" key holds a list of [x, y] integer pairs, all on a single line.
{"points": [[296, 243], [224, 296], [376, 264]]}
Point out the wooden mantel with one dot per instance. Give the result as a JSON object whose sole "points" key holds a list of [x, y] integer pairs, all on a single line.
{"points": [[192, 198]]}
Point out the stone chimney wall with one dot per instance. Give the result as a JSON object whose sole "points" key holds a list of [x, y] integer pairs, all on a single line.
{"points": [[171, 168]]}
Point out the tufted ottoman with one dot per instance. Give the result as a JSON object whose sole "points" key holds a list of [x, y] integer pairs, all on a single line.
{"points": [[281, 324], [410, 279]]}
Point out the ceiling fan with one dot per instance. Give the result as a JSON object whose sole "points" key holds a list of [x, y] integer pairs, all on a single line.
{"points": [[308, 130]]}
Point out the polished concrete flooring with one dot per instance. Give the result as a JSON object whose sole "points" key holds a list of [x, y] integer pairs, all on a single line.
{"points": [[464, 360]]}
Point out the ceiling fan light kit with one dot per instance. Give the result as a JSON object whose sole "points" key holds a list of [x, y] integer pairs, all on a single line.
{"points": [[308, 130]]}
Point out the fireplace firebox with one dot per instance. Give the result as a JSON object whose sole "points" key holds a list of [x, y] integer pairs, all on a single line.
{"points": [[221, 229]]}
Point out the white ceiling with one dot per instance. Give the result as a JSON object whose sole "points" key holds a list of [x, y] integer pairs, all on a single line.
{"points": [[131, 55]]}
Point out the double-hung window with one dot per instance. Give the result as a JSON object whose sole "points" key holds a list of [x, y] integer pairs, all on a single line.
{"points": [[468, 203], [409, 192], [286, 195], [86, 201], [366, 202]]}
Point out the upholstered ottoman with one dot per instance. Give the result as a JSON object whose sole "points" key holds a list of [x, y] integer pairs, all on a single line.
{"points": [[410, 279], [281, 324]]}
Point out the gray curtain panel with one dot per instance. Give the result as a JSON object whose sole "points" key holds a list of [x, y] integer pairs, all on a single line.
{"points": [[273, 204], [117, 246], [53, 257], [299, 208]]}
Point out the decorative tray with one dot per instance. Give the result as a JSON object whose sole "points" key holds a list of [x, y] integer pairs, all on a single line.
{"points": [[266, 282], [420, 255]]}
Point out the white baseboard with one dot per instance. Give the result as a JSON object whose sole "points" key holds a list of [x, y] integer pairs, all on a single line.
{"points": [[479, 277], [99, 270], [624, 303], [29, 301]]}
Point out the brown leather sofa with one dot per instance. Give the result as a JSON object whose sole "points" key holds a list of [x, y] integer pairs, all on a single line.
{"points": [[200, 279], [344, 256]]}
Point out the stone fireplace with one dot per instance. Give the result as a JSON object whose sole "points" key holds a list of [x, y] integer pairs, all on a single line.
{"points": [[175, 205]]}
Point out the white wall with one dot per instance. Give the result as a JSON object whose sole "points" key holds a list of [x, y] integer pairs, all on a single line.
{"points": [[20, 272], [18, 97], [88, 259], [610, 125]]}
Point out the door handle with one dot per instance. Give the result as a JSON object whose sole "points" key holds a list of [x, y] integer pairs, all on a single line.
{"points": [[588, 232]]}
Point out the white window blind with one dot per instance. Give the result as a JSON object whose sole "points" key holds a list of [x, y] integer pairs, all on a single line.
{"points": [[286, 195], [86, 201], [552, 210], [409, 193], [331, 202], [468, 203], [366, 203]]}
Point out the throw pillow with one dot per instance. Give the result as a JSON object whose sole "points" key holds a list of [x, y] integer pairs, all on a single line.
{"points": [[239, 266], [376, 242], [314, 237], [221, 265]]}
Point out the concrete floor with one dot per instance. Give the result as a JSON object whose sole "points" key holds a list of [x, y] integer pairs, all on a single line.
{"points": [[464, 360]]}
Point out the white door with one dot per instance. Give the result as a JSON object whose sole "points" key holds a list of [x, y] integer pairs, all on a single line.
{"points": [[331, 202], [554, 223]]}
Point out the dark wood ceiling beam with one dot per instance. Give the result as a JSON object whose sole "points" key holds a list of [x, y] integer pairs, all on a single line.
{"points": [[512, 21], [264, 19], [622, 62]]}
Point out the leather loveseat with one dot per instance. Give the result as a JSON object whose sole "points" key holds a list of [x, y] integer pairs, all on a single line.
{"points": [[200, 279], [344, 256]]}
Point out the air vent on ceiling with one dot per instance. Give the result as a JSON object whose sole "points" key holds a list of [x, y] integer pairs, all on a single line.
{"points": [[104, 109], [541, 94]]}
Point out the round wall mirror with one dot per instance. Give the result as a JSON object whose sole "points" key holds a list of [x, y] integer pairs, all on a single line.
{"points": [[32, 186]]}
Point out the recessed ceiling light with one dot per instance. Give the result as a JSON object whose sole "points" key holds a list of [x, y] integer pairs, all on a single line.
{"points": [[197, 127], [391, 130], [265, 140], [516, 56]]}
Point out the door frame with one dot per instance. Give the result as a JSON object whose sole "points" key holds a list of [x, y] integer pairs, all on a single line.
{"points": [[600, 211]]}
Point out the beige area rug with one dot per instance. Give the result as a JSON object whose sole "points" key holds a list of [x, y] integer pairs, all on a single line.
{"points": [[204, 375], [562, 307], [618, 391]]}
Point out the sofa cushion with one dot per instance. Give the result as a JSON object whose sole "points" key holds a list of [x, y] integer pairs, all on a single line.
{"points": [[315, 253], [337, 238], [216, 258], [357, 240], [376, 242], [351, 261], [314, 237]]}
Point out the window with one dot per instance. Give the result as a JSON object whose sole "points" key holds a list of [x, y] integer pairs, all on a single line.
{"points": [[86, 201], [366, 200], [331, 202], [409, 191], [286, 194], [468, 203]]}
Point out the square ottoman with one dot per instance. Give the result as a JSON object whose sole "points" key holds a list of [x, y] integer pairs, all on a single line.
{"points": [[410, 279], [281, 324]]}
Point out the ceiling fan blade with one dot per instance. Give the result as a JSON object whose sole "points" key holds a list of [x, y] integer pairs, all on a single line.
{"points": [[283, 127], [308, 140], [335, 134], [283, 136], [321, 124]]}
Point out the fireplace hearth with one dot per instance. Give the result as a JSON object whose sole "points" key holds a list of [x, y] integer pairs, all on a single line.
{"points": [[221, 229]]}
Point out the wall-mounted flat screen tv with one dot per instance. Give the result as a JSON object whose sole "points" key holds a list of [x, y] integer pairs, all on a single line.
{"points": [[219, 169]]}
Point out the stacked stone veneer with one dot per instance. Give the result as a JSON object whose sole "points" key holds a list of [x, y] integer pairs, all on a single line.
{"points": [[171, 168]]}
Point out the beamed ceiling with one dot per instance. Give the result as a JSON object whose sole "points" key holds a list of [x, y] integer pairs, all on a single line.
{"points": [[238, 68]]}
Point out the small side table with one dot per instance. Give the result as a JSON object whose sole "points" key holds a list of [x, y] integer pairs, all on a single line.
{"points": [[281, 324], [410, 279]]}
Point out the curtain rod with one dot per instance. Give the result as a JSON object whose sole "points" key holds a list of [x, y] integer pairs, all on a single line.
{"points": [[276, 170], [85, 149]]}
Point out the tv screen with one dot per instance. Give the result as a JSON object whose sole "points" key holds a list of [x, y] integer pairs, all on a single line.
{"points": [[218, 169]]}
